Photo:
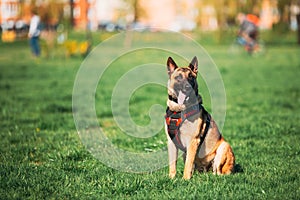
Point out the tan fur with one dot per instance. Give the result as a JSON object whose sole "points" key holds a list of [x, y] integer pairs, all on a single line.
{"points": [[175, 107], [215, 153]]}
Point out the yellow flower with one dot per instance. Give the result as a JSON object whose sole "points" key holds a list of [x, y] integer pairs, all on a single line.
{"points": [[8, 36], [84, 47]]}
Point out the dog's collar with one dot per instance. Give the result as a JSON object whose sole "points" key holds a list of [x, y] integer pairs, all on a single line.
{"points": [[175, 119]]}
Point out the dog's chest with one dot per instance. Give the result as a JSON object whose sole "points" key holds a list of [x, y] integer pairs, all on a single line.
{"points": [[188, 131]]}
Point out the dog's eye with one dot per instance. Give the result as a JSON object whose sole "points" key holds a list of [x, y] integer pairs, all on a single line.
{"points": [[179, 77], [190, 76]]}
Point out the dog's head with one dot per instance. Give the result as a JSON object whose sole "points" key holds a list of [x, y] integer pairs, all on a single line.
{"points": [[182, 84]]}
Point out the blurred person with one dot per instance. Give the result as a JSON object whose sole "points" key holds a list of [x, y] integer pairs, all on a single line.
{"points": [[34, 33], [248, 31]]}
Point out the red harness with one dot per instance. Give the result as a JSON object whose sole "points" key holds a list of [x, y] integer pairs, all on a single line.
{"points": [[175, 119]]}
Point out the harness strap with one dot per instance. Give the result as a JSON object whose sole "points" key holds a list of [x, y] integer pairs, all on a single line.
{"points": [[207, 124], [175, 119]]}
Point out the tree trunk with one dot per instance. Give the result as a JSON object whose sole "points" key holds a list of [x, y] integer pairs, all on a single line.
{"points": [[71, 14], [298, 23]]}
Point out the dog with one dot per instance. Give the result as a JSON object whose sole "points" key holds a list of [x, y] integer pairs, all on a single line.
{"points": [[190, 128]]}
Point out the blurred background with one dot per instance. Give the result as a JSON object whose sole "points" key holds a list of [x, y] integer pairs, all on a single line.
{"points": [[59, 17]]}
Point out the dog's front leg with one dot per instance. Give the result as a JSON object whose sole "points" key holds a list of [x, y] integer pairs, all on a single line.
{"points": [[173, 153], [190, 158]]}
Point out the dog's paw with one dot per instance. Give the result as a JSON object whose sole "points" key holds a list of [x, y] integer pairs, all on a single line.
{"points": [[187, 176], [172, 175]]}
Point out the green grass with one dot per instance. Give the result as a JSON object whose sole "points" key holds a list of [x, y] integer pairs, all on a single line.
{"points": [[42, 156]]}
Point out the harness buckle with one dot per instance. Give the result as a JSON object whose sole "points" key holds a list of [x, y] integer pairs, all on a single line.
{"points": [[176, 121]]}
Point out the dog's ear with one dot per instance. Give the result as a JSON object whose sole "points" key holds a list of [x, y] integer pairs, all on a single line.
{"points": [[194, 65], [171, 65]]}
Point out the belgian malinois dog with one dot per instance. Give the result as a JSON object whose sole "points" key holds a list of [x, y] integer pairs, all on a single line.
{"points": [[190, 128]]}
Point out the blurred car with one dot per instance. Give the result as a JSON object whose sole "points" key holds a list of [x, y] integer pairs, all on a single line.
{"points": [[8, 25], [110, 26], [140, 27]]}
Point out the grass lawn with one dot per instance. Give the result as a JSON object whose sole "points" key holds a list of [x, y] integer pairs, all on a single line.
{"points": [[42, 156]]}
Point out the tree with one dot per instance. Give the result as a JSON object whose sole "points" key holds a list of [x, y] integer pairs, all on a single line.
{"points": [[51, 12], [136, 9], [282, 6], [298, 22]]}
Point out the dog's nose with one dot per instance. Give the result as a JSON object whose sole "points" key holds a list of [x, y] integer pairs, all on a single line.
{"points": [[187, 86]]}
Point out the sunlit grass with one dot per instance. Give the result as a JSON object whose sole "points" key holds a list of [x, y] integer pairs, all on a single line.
{"points": [[42, 155]]}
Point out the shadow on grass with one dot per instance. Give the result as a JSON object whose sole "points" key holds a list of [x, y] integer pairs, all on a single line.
{"points": [[238, 169]]}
